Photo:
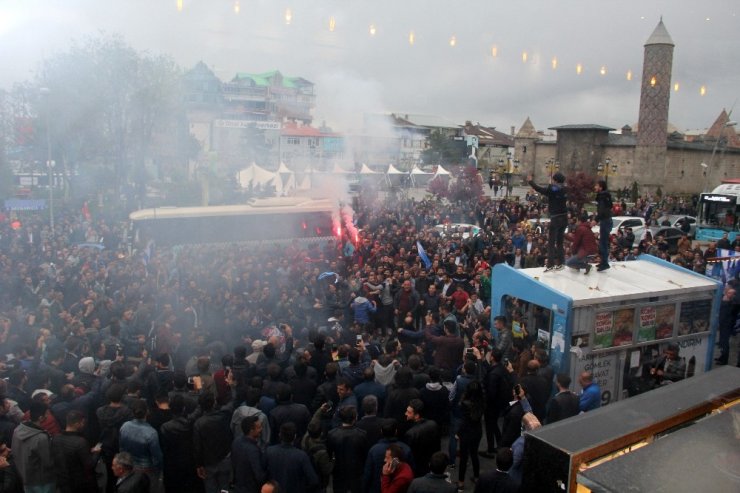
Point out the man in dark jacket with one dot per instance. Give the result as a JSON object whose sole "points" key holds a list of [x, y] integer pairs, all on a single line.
{"points": [[290, 466], [73, 462], [246, 457], [176, 439], [565, 403], [583, 245], [423, 437], [498, 392], [538, 389], [436, 480], [128, 480], [288, 411], [498, 479], [604, 217], [557, 197], [212, 444], [348, 445], [110, 418]]}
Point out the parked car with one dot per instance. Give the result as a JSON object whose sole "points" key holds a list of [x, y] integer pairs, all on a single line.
{"points": [[676, 221], [623, 222], [457, 230], [669, 233]]}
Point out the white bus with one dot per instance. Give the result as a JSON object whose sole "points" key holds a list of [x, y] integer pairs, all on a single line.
{"points": [[275, 219]]}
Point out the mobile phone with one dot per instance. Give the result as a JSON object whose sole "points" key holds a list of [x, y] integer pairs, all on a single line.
{"points": [[359, 338], [394, 464], [517, 389], [506, 361], [469, 350], [329, 406]]}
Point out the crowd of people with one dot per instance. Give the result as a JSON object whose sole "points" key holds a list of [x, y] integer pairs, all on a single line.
{"points": [[285, 368]]}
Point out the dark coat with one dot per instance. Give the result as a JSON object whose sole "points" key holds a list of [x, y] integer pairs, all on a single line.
{"points": [[496, 482], [248, 465], [212, 437], [423, 438], [136, 482], [73, 463], [564, 405], [348, 445], [371, 425], [291, 468], [176, 440], [538, 391], [286, 412]]}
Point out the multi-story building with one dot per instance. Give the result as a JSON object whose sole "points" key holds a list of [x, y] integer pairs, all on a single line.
{"points": [[304, 147], [240, 121]]}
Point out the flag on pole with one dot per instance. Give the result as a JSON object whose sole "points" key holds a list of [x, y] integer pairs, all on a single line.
{"points": [[423, 255]]}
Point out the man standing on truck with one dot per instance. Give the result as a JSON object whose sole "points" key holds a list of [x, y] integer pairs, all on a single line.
{"points": [[604, 217], [557, 197]]}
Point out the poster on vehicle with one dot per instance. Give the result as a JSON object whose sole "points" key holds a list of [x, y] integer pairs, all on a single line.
{"points": [[646, 330], [603, 335], [665, 318], [624, 326], [694, 317]]}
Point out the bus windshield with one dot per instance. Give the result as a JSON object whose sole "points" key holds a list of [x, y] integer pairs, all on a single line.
{"points": [[718, 212]]}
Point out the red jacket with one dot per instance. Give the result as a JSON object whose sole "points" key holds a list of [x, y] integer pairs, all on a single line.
{"points": [[398, 481], [584, 241]]}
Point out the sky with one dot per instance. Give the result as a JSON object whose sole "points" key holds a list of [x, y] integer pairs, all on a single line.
{"points": [[485, 77]]}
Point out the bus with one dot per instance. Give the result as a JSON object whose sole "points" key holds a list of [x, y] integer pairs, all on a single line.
{"points": [[717, 213], [276, 220]]}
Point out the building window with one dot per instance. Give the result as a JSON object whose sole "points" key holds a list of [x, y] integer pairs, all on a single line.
{"points": [[293, 141]]}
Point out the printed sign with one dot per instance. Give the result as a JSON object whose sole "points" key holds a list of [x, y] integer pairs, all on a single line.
{"points": [[604, 367], [665, 318], [603, 335], [694, 317], [646, 331], [624, 325]]}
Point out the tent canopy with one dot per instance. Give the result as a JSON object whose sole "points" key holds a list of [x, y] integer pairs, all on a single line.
{"points": [[418, 171], [392, 170], [365, 170]]}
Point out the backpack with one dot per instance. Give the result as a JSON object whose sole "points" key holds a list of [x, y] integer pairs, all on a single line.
{"points": [[321, 462]]}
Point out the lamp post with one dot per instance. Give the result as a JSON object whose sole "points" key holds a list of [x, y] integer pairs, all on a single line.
{"points": [[49, 163], [605, 168], [708, 168], [552, 166]]}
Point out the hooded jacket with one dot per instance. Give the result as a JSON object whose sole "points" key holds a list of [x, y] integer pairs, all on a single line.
{"points": [[32, 452]]}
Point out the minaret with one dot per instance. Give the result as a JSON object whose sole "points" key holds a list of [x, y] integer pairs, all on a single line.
{"points": [[655, 95]]}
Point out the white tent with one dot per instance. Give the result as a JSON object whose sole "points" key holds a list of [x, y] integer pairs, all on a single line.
{"points": [[283, 168], [338, 169], [420, 177], [393, 176], [259, 177], [365, 170], [441, 171], [305, 183]]}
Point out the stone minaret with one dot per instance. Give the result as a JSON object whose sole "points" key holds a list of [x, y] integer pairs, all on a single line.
{"points": [[655, 95]]}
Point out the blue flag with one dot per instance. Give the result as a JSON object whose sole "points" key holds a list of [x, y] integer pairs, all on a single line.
{"points": [[324, 275], [423, 255]]}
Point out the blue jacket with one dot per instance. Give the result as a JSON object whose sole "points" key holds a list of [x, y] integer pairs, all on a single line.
{"points": [[140, 439], [362, 308], [590, 398]]}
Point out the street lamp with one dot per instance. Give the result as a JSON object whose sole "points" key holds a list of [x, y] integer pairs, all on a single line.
{"points": [[552, 166], [49, 163], [605, 169], [708, 168]]}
